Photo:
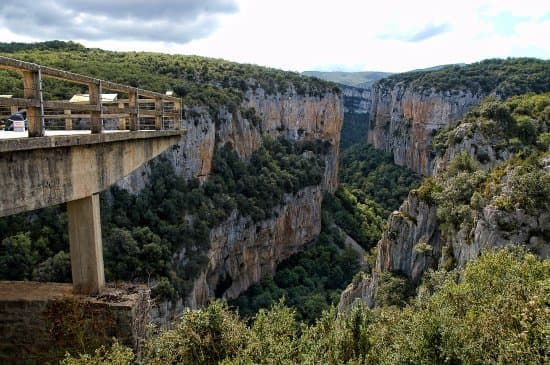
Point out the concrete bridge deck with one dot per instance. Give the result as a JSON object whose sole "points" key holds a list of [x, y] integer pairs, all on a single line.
{"points": [[54, 167]]}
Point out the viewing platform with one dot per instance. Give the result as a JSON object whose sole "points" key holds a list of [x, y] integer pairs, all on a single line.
{"points": [[73, 150]]}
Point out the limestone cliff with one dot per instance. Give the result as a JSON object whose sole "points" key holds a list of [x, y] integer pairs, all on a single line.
{"points": [[491, 190], [357, 100], [243, 251], [408, 109], [292, 116], [403, 120]]}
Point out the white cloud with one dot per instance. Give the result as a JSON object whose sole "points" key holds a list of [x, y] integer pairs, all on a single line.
{"points": [[315, 34]]}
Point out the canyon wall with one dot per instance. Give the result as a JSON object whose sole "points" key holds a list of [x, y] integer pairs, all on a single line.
{"points": [[356, 100], [403, 120], [292, 116], [488, 213], [243, 251]]}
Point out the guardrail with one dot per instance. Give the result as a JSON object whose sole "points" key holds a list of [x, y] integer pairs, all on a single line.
{"points": [[139, 109]]}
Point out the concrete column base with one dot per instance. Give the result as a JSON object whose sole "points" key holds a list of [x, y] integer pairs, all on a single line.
{"points": [[85, 245], [39, 322]]}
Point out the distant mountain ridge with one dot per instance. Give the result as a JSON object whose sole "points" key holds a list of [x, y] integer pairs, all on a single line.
{"points": [[365, 79], [362, 79]]}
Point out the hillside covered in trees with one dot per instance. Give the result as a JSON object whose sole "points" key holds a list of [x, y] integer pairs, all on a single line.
{"points": [[493, 309], [198, 80], [504, 77]]}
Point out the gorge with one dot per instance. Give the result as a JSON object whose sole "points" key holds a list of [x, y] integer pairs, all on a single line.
{"points": [[277, 174]]}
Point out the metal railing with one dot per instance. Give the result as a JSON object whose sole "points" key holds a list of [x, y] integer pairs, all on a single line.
{"points": [[138, 110]]}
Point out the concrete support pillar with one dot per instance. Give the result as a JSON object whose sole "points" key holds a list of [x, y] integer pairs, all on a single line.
{"points": [[95, 99], [85, 245], [31, 90]]}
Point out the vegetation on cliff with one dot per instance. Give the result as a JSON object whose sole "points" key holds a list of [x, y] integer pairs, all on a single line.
{"points": [[143, 232], [506, 169], [502, 77], [354, 130], [311, 281], [493, 311], [198, 80]]}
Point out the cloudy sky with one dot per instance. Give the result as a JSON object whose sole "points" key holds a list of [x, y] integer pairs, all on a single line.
{"points": [[346, 35]]}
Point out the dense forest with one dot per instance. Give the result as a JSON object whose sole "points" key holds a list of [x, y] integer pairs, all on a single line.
{"points": [[355, 128], [494, 311], [503, 77], [371, 186], [198, 80]]}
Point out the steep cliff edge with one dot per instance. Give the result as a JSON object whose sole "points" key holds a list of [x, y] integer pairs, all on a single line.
{"points": [[242, 250], [409, 109], [403, 121], [289, 115], [492, 189]]}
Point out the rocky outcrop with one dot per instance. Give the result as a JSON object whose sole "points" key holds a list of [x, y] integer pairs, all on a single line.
{"points": [[356, 100], [413, 224], [403, 120], [413, 243], [358, 292], [243, 251], [292, 116], [488, 198]]}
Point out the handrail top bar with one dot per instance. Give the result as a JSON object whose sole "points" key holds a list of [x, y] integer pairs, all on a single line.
{"points": [[21, 66]]}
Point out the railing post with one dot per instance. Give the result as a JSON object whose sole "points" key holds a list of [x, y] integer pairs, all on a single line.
{"points": [[121, 120], [133, 105], [178, 111], [158, 109], [32, 90], [68, 120], [95, 99]]}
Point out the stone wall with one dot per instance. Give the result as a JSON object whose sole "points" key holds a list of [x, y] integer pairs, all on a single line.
{"points": [[39, 322]]}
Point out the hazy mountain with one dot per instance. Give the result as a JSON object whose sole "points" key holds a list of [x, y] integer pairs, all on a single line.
{"points": [[362, 79]]}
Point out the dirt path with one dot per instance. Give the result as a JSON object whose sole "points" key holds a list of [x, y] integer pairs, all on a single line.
{"points": [[351, 243]]}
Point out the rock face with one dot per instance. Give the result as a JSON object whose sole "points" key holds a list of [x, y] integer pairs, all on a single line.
{"points": [[295, 117], [415, 223], [403, 121], [413, 241], [357, 100], [243, 251]]}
